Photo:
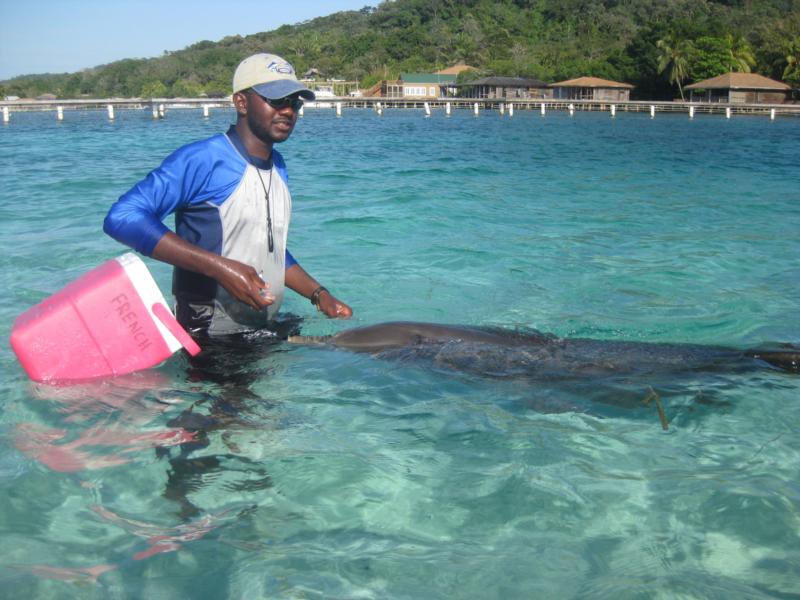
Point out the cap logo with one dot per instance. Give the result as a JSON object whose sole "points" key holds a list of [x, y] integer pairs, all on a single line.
{"points": [[277, 67]]}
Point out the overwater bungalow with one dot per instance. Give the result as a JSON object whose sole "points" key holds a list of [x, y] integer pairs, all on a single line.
{"points": [[740, 88], [419, 86], [505, 87], [592, 88]]}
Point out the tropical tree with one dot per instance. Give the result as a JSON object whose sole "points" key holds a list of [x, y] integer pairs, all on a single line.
{"points": [[673, 60], [153, 89], [714, 56], [792, 71], [186, 88], [306, 45], [739, 54]]}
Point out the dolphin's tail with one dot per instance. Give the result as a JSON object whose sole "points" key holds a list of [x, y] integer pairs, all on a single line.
{"points": [[787, 360], [315, 340]]}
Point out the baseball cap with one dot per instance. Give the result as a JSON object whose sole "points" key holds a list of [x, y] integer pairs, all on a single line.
{"points": [[270, 76]]}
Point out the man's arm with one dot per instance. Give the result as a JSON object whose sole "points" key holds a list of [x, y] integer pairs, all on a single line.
{"points": [[136, 218], [301, 282], [241, 280]]}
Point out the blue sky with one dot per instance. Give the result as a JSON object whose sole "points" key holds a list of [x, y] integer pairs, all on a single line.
{"points": [[58, 36]]}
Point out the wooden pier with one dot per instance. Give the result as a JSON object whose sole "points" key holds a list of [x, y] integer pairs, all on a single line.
{"points": [[546, 105], [158, 106]]}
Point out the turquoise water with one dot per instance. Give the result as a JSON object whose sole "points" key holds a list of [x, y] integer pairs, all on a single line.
{"points": [[339, 475]]}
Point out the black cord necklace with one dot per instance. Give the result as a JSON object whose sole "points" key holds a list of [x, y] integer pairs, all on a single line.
{"points": [[270, 243]]}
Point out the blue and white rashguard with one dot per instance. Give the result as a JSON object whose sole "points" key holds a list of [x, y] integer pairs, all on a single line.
{"points": [[214, 189]]}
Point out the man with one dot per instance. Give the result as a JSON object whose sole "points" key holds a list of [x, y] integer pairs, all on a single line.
{"points": [[232, 209]]}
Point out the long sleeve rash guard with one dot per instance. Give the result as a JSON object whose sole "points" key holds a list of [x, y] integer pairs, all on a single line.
{"points": [[220, 196]]}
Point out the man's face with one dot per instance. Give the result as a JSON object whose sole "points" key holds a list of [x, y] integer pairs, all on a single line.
{"points": [[269, 124]]}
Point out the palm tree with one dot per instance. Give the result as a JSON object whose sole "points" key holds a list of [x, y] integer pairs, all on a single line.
{"points": [[792, 70], [673, 60], [740, 54]]}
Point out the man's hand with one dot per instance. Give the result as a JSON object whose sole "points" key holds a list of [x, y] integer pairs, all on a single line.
{"points": [[243, 283], [331, 307], [241, 280], [305, 285]]}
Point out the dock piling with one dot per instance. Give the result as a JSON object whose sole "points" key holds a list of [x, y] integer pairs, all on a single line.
{"points": [[447, 109], [110, 109], [727, 112], [510, 109], [6, 115], [613, 110], [475, 109], [205, 111], [542, 109], [691, 112], [427, 109], [502, 108], [59, 113], [652, 111], [338, 109], [571, 109], [771, 114]]}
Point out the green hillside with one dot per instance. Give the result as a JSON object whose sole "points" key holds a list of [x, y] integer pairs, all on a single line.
{"points": [[654, 44]]}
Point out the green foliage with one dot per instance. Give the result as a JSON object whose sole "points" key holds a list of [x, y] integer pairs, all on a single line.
{"points": [[773, 42], [186, 88], [545, 39], [468, 75], [792, 71], [714, 56], [153, 89]]}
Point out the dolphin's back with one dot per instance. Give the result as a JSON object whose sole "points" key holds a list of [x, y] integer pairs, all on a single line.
{"points": [[400, 334], [510, 352]]}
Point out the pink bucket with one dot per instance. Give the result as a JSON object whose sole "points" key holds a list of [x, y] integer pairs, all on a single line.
{"points": [[111, 321]]}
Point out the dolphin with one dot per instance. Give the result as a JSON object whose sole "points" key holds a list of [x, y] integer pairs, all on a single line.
{"points": [[501, 352]]}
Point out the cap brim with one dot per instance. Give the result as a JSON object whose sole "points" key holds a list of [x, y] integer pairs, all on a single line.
{"points": [[282, 88]]}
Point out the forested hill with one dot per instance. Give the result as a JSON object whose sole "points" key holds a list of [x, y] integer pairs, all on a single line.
{"points": [[654, 44]]}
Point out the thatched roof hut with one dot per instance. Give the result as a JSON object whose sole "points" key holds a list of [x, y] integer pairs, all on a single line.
{"points": [[592, 88], [740, 88], [504, 87]]}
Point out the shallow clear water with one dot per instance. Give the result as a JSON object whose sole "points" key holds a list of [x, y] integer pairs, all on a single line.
{"points": [[320, 473]]}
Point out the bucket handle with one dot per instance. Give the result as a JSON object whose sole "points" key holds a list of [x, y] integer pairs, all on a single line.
{"points": [[165, 316]]}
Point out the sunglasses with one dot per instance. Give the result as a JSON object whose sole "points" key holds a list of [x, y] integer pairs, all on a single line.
{"points": [[296, 102]]}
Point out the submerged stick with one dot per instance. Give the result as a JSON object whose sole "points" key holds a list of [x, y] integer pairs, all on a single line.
{"points": [[652, 395]]}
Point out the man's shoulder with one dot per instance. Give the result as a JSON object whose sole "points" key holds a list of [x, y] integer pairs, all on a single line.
{"points": [[280, 164], [213, 149]]}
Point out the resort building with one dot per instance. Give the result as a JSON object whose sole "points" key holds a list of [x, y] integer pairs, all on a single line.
{"points": [[504, 87], [426, 85], [592, 88], [740, 88], [419, 86]]}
